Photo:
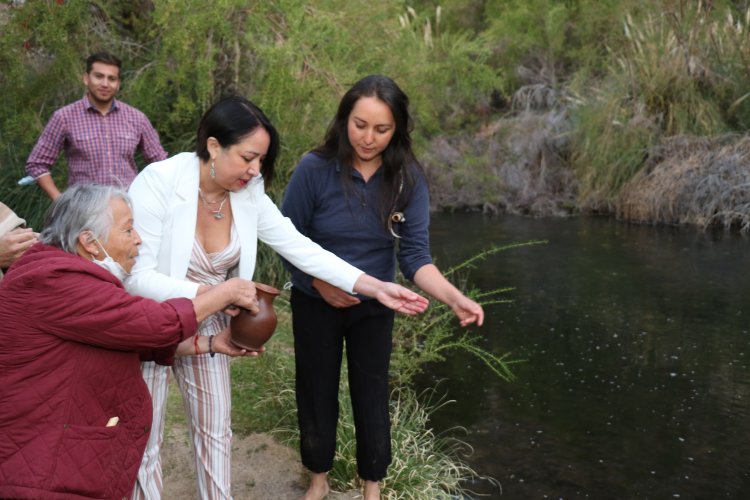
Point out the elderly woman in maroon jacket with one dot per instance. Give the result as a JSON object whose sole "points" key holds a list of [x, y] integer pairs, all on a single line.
{"points": [[75, 413]]}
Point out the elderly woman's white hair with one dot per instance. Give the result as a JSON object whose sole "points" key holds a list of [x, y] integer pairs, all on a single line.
{"points": [[81, 208]]}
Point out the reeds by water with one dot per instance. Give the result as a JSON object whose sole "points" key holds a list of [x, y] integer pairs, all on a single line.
{"points": [[693, 180]]}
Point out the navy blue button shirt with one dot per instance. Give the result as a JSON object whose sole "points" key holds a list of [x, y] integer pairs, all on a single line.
{"points": [[349, 225]]}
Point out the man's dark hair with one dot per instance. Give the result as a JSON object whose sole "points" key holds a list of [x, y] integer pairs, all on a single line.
{"points": [[102, 57]]}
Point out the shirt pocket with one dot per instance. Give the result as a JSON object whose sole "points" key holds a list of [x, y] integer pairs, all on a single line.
{"points": [[126, 142], [87, 146]]}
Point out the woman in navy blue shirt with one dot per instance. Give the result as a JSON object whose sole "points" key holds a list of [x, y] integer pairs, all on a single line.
{"points": [[362, 195]]}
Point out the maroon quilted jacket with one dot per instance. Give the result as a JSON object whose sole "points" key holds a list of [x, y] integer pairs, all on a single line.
{"points": [[71, 339]]}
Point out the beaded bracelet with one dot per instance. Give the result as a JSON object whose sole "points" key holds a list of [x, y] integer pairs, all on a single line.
{"points": [[210, 349]]}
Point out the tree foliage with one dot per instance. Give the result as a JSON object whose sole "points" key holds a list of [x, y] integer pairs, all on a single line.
{"points": [[294, 59], [628, 72]]}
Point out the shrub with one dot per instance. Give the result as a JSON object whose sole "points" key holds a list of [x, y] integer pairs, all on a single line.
{"points": [[293, 59]]}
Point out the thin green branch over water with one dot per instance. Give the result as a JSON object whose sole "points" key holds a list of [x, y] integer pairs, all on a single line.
{"points": [[430, 337]]}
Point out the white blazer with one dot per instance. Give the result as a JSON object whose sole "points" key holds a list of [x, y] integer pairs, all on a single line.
{"points": [[165, 210]]}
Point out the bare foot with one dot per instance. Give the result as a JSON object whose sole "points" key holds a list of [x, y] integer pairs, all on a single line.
{"points": [[371, 490], [319, 488]]}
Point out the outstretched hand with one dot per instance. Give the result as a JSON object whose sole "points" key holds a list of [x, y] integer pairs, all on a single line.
{"points": [[431, 280], [468, 311], [401, 299]]}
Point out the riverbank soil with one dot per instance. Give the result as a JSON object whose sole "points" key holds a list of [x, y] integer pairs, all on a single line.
{"points": [[262, 469]]}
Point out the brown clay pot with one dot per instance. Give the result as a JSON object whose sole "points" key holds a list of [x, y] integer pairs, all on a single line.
{"points": [[251, 331]]}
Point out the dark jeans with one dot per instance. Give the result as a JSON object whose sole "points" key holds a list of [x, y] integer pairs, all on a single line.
{"points": [[319, 334]]}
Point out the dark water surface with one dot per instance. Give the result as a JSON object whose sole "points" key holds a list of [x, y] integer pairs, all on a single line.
{"points": [[637, 345]]}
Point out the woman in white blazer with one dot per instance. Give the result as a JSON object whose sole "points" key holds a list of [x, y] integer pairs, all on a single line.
{"points": [[200, 216]]}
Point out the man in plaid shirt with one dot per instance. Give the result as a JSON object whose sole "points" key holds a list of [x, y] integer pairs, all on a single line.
{"points": [[98, 133]]}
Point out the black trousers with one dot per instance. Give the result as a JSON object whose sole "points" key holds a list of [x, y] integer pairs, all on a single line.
{"points": [[320, 332]]}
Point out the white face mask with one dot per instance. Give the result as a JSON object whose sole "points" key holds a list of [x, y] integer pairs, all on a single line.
{"points": [[111, 265]]}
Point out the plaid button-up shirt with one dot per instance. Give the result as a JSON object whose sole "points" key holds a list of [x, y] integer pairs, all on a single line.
{"points": [[99, 148]]}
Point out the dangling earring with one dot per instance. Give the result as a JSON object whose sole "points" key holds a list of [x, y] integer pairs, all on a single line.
{"points": [[212, 171]]}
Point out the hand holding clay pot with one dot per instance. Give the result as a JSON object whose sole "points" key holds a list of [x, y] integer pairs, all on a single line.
{"points": [[251, 331]]}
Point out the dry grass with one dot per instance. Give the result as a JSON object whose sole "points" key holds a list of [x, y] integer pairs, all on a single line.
{"points": [[692, 180], [517, 164], [424, 465]]}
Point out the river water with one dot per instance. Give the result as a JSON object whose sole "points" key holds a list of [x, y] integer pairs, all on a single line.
{"points": [[635, 345]]}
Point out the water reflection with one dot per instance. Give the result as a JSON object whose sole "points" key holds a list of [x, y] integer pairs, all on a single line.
{"points": [[636, 344]]}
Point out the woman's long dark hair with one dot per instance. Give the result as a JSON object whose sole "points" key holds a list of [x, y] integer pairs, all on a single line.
{"points": [[399, 163], [229, 121]]}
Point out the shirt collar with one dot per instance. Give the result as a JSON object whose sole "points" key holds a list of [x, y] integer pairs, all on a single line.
{"points": [[378, 173], [90, 106], [355, 172]]}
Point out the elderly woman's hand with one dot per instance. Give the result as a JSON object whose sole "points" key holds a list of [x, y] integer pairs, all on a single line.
{"points": [[222, 344], [234, 291], [243, 294]]}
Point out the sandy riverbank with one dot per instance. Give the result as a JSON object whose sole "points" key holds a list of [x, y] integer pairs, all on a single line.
{"points": [[262, 469]]}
